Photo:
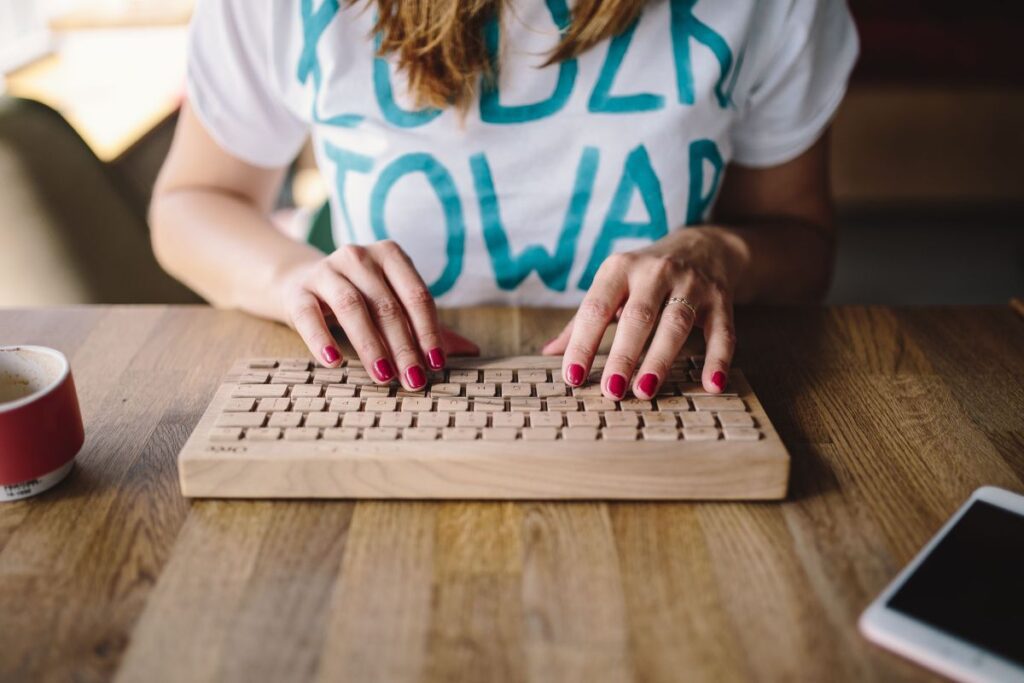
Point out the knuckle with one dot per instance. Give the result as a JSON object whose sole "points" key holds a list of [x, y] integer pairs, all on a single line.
{"points": [[387, 309], [658, 364], [405, 350], [727, 335], [419, 296], [579, 350], [353, 253], [621, 359], [638, 312], [595, 311], [346, 301], [305, 315], [677, 319], [618, 261], [661, 266], [366, 346]]}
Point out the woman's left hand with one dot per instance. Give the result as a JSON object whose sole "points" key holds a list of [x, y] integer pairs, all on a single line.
{"points": [[691, 265]]}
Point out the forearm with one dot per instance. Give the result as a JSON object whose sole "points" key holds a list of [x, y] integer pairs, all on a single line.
{"points": [[776, 261], [223, 247]]}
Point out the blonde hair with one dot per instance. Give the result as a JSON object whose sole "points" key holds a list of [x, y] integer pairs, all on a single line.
{"points": [[440, 44]]}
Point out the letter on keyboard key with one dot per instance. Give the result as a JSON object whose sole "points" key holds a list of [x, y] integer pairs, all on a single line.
{"points": [[540, 418], [241, 419], [464, 376], [445, 389], [579, 433], [694, 420], [587, 391], [619, 434], [301, 434], [520, 389], [661, 433], [583, 419], [540, 434], [563, 403], [225, 434], [322, 420], [659, 419], [395, 420], [481, 389], [453, 405], [380, 434], [626, 419], [345, 405], [635, 404], [417, 405], [379, 404], [531, 376], [718, 403], [274, 405], [433, 419], [458, 433], [497, 375], [470, 419], [741, 434], [263, 434], [548, 389], [513, 419], [259, 391], [341, 390], [241, 405], [499, 434], [677, 403], [306, 391], [598, 404], [309, 405], [522, 403], [284, 419], [420, 434], [700, 434], [489, 405], [341, 434]]}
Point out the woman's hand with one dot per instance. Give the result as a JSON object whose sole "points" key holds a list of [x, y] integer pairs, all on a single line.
{"points": [[382, 304], [695, 265]]}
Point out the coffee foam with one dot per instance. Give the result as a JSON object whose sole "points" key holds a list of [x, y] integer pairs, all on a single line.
{"points": [[24, 372]]}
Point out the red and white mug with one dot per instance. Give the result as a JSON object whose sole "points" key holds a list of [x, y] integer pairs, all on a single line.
{"points": [[40, 421]]}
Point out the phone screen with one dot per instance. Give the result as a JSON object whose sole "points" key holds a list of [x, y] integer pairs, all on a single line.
{"points": [[971, 585]]}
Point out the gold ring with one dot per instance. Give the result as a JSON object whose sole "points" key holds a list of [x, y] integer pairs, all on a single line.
{"points": [[681, 300]]}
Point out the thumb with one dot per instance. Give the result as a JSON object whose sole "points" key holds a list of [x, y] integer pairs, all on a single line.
{"points": [[458, 345], [557, 344]]}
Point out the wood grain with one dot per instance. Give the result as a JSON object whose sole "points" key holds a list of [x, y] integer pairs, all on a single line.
{"points": [[892, 416]]}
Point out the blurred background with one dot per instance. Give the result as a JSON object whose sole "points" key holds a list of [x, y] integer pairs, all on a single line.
{"points": [[927, 151]]}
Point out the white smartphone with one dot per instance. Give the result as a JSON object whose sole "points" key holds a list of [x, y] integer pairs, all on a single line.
{"points": [[958, 608]]}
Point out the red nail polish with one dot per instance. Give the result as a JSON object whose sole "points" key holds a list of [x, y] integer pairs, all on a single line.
{"points": [[718, 379], [648, 383], [617, 385], [331, 355], [383, 370], [436, 358], [574, 373], [415, 376]]}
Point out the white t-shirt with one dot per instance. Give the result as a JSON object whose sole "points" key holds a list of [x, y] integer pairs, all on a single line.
{"points": [[519, 200]]}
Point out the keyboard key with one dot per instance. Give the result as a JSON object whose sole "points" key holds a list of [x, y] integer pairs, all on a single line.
{"points": [[590, 419], [358, 419], [548, 389], [499, 376], [341, 434], [340, 390], [587, 391], [458, 433], [417, 405], [700, 434], [259, 391], [241, 419], [677, 403], [225, 434], [380, 434], [322, 419], [532, 376], [499, 434], [242, 405], [516, 389], [268, 363], [289, 378], [295, 364], [322, 376], [374, 390], [463, 376], [301, 434], [563, 403], [513, 419], [453, 405], [378, 404], [544, 419], [741, 434], [309, 405], [446, 389], [601, 404], [263, 434], [661, 433], [489, 405], [718, 403], [470, 419], [581, 433], [395, 420], [540, 434], [346, 405], [522, 403], [626, 419], [433, 419], [251, 378], [735, 419], [693, 420], [274, 405], [636, 404], [619, 434], [284, 420], [419, 434], [481, 389], [659, 419], [306, 391]]}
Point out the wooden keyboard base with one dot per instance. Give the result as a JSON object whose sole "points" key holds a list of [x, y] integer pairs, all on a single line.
{"points": [[407, 469]]}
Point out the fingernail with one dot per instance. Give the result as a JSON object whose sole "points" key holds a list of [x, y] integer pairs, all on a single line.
{"points": [[718, 379], [436, 358], [331, 355], [648, 383], [383, 370], [415, 376], [617, 385], [574, 373]]}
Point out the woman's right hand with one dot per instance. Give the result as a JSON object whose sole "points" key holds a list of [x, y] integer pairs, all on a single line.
{"points": [[382, 304]]}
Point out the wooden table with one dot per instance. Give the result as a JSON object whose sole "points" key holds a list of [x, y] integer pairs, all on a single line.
{"points": [[893, 417]]}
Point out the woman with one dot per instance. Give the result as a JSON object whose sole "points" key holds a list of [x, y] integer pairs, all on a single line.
{"points": [[649, 162]]}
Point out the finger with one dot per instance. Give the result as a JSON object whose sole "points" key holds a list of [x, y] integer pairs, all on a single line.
{"points": [[596, 311], [720, 336], [308, 320], [415, 297], [387, 312], [557, 344], [349, 307], [458, 345], [636, 322], [674, 326]]}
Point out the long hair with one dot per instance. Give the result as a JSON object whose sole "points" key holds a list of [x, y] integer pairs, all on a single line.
{"points": [[440, 44]]}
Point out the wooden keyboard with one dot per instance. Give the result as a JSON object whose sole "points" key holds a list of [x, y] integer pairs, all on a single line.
{"points": [[505, 428]]}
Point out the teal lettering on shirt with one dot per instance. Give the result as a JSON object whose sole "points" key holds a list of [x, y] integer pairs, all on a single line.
{"points": [[491, 109], [637, 176], [553, 269], [444, 186], [697, 202], [601, 99], [393, 113], [345, 161], [685, 27], [313, 26]]}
